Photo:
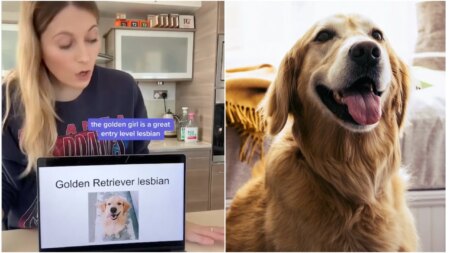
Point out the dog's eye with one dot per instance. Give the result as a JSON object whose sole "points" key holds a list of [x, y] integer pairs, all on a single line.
{"points": [[119, 203], [376, 34], [109, 204], [324, 35]]}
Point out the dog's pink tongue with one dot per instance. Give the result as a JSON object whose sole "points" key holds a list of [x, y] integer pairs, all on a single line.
{"points": [[364, 107]]}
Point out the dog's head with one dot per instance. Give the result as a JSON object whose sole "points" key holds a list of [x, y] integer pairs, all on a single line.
{"points": [[342, 72], [114, 207]]}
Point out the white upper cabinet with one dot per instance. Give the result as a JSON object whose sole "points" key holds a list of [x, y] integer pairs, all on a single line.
{"points": [[9, 45], [151, 54]]}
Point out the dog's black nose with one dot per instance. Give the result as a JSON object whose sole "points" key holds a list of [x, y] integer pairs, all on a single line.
{"points": [[113, 210], [365, 53]]}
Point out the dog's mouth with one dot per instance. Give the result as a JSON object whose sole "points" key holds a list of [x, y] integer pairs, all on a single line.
{"points": [[358, 104], [114, 216]]}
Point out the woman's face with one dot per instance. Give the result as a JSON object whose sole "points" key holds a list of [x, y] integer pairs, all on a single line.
{"points": [[70, 45]]}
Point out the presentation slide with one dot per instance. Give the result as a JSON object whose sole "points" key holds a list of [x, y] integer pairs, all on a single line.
{"points": [[111, 204]]}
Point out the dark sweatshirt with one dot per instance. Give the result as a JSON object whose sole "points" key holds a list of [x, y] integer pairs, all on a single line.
{"points": [[110, 93]]}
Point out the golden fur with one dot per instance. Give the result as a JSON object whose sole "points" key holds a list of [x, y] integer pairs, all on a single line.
{"points": [[327, 185], [113, 224]]}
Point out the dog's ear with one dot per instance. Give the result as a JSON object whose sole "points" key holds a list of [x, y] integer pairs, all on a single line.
{"points": [[102, 206], [278, 100], [126, 206], [402, 85]]}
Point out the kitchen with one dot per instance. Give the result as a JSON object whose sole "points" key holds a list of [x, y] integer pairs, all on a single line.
{"points": [[196, 89]]}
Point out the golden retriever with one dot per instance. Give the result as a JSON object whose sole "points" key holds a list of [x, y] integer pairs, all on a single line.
{"points": [[331, 178], [114, 212]]}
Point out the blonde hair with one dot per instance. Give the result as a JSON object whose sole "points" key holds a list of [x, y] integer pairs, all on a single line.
{"points": [[29, 84]]}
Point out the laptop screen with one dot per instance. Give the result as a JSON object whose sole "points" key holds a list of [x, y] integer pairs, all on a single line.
{"points": [[109, 203]]}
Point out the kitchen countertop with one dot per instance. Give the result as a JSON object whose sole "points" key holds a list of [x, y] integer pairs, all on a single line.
{"points": [[172, 144]]}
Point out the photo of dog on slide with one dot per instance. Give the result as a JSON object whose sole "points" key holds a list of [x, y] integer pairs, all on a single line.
{"points": [[115, 216]]}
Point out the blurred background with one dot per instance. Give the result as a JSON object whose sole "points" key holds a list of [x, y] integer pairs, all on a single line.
{"points": [[266, 30]]}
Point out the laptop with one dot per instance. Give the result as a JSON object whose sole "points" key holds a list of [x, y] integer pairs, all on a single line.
{"points": [[112, 203]]}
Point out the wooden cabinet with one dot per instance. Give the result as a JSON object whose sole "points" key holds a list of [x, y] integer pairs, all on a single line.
{"points": [[197, 178], [217, 186], [152, 54]]}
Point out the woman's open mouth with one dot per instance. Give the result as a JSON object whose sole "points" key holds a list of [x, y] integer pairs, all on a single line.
{"points": [[358, 104], [84, 75]]}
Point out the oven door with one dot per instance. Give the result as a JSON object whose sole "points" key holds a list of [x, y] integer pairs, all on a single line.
{"points": [[219, 127], [219, 112]]}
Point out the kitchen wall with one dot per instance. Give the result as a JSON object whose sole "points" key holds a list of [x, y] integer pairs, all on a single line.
{"points": [[198, 94], [155, 107]]}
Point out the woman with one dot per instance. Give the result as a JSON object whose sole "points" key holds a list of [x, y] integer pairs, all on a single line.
{"points": [[49, 98]]}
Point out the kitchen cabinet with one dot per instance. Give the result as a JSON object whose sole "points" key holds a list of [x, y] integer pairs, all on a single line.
{"points": [[217, 186], [197, 177], [9, 45], [152, 54]]}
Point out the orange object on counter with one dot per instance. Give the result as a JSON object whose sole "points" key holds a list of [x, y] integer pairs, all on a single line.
{"points": [[121, 22]]}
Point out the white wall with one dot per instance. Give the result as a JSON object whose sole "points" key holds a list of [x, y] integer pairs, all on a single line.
{"points": [[428, 209], [263, 31]]}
